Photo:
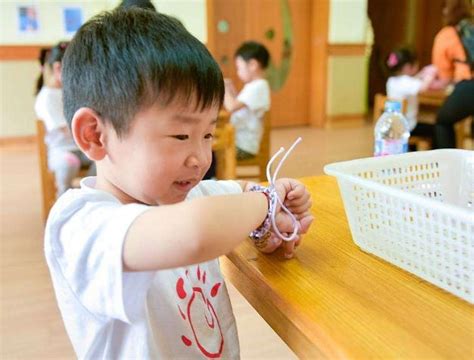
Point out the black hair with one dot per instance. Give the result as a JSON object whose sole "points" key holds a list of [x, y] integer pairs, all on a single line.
{"points": [[121, 62], [143, 4], [254, 50], [397, 59], [456, 10], [47, 57]]}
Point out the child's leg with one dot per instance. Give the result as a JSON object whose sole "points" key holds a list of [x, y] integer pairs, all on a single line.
{"points": [[423, 129], [457, 106], [65, 166]]}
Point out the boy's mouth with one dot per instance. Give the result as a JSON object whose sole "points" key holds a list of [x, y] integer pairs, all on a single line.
{"points": [[184, 185]]}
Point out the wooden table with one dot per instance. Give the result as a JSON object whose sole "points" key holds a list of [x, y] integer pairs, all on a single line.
{"points": [[334, 301]]}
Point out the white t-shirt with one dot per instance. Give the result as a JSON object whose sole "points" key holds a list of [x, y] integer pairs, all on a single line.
{"points": [[248, 120], [49, 109], [111, 314], [406, 87]]}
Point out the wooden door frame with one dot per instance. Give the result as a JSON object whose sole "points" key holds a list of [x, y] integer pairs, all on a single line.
{"points": [[319, 62]]}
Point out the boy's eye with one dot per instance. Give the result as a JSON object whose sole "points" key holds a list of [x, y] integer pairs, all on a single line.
{"points": [[209, 136], [181, 137]]}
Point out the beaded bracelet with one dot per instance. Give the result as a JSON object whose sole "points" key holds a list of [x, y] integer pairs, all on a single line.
{"points": [[263, 242], [259, 233]]}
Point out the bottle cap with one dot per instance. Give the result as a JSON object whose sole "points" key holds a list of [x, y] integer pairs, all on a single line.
{"points": [[394, 106]]}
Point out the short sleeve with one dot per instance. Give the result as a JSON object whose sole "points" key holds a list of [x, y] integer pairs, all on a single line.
{"points": [[212, 187], [401, 87], [447, 48], [256, 96], [410, 85], [89, 249]]}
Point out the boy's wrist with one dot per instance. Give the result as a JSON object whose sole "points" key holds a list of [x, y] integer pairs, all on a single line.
{"points": [[260, 235]]}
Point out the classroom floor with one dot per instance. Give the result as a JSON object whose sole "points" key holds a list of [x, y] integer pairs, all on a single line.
{"points": [[31, 327]]}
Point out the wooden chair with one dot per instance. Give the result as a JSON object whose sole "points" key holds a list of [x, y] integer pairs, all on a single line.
{"points": [[263, 156], [224, 148], [421, 143], [48, 185], [48, 181], [464, 137]]}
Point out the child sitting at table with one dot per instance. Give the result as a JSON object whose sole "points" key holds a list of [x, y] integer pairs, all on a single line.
{"points": [[248, 107], [405, 83], [64, 157], [134, 266]]}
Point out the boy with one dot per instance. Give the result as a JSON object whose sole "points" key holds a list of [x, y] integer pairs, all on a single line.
{"points": [[250, 105], [134, 267]]}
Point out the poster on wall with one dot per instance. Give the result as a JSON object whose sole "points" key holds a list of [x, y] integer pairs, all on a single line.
{"points": [[28, 19], [72, 19]]}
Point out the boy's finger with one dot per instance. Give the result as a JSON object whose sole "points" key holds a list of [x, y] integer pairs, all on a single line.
{"points": [[297, 241], [300, 209], [302, 215], [299, 200], [296, 191], [305, 223], [273, 243], [288, 249], [284, 223]]}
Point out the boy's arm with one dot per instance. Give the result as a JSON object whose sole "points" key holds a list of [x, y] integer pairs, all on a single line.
{"points": [[231, 103], [427, 76], [245, 185], [191, 232]]}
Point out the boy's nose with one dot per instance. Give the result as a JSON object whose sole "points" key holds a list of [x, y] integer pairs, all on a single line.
{"points": [[198, 158]]}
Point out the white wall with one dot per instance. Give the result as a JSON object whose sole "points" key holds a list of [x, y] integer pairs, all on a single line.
{"points": [[347, 21], [192, 13], [348, 75], [17, 78]]}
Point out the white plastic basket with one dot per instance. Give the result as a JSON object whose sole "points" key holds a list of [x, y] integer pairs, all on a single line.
{"points": [[416, 211]]}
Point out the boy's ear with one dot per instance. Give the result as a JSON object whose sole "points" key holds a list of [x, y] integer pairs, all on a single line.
{"points": [[253, 64], [88, 131]]}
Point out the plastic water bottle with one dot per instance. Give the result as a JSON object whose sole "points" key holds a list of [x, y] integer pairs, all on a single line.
{"points": [[391, 131]]}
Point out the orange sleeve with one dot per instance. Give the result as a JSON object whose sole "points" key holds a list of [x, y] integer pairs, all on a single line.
{"points": [[447, 48]]}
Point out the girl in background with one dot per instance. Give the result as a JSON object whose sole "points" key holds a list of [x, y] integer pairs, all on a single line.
{"points": [[64, 157], [405, 83]]}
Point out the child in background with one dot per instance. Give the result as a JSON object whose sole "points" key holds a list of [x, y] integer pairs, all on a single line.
{"points": [[249, 106], [406, 82], [64, 157], [134, 266]]}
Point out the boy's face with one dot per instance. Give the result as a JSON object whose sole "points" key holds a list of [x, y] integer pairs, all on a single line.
{"points": [[245, 69], [164, 155]]}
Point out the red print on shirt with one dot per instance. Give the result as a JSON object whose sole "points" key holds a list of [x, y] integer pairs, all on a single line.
{"points": [[198, 306]]}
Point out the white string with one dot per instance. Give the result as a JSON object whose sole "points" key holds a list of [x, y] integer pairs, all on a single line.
{"points": [[276, 198]]}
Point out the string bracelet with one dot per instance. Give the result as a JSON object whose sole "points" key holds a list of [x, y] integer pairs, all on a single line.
{"points": [[261, 235]]}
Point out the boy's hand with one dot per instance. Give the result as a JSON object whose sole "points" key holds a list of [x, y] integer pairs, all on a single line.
{"points": [[294, 196], [298, 200], [230, 89], [285, 226]]}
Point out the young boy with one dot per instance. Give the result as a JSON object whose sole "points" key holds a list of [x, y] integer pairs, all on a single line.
{"points": [[134, 266], [250, 105]]}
